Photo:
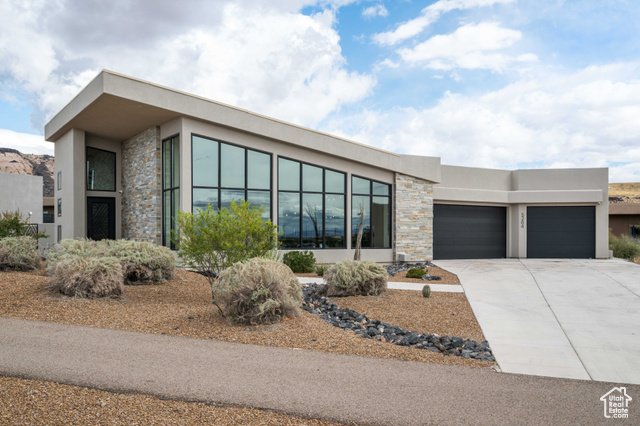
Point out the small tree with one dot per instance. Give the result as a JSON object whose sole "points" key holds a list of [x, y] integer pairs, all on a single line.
{"points": [[211, 240]]}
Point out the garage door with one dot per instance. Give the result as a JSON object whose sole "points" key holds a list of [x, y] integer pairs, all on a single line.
{"points": [[469, 232], [561, 232]]}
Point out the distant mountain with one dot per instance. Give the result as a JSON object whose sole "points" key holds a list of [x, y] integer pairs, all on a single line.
{"points": [[13, 161]]}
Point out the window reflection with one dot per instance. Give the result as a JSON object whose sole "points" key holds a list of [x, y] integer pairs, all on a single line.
{"points": [[316, 219]]}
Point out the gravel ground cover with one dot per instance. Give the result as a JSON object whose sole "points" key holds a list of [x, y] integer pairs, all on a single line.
{"points": [[183, 307], [34, 402]]}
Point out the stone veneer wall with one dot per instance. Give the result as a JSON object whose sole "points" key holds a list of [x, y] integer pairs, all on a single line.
{"points": [[142, 187], [413, 218]]}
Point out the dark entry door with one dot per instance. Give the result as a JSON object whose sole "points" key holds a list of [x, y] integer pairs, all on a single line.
{"points": [[561, 232], [101, 218], [469, 232]]}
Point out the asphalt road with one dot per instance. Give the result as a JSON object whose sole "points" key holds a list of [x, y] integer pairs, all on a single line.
{"points": [[306, 383]]}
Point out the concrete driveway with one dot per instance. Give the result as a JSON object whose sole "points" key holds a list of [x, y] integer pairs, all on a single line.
{"points": [[555, 317]]}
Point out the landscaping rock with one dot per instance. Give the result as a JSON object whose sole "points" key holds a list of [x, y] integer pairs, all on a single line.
{"points": [[361, 325], [427, 277], [398, 267]]}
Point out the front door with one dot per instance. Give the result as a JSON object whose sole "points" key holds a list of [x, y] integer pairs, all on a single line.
{"points": [[101, 218]]}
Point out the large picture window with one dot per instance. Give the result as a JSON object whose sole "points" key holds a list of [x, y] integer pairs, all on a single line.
{"points": [[311, 206], [223, 173], [371, 204], [101, 170], [170, 187]]}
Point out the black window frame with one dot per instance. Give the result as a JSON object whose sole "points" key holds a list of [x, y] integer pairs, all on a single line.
{"points": [[170, 189], [324, 193], [59, 207], [115, 169], [246, 188], [371, 195]]}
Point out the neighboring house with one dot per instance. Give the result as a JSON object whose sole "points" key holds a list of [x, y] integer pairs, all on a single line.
{"points": [[24, 193], [48, 210], [624, 219], [129, 154]]}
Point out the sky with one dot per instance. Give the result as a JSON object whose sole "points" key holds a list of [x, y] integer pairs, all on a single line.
{"points": [[483, 83]]}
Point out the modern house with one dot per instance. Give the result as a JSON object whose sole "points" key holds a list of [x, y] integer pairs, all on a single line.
{"points": [[130, 154]]}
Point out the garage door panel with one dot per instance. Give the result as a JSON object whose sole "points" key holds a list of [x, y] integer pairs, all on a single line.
{"points": [[469, 232], [561, 232]]}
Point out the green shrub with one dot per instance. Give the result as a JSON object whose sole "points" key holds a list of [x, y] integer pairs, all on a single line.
{"points": [[142, 262], [211, 240], [258, 291], [426, 291], [321, 268], [299, 261], [19, 254], [12, 224], [416, 273], [88, 277], [624, 247], [351, 277]]}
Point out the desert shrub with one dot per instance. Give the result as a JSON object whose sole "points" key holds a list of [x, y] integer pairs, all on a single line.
{"points": [[67, 249], [624, 247], [19, 254], [13, 224], [211, 240], [87, 277], [257, 291], [352, 277], [299, 261], [321, 268], [416, 273], [142, 262]]}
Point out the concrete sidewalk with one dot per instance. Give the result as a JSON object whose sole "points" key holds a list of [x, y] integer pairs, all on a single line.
{"points": [[557, 317], [445, 288], [306, 383]]}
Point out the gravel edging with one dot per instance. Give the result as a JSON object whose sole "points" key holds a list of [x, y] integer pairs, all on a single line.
{"points": [[350, 320]]}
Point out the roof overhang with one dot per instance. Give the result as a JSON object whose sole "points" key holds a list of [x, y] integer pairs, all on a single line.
{"points": [[117, 107]]}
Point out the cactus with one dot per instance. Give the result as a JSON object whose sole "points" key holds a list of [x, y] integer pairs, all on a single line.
{"points": [[426, 291]]}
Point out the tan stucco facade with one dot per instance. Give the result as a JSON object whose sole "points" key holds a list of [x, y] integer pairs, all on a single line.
{"points": [[516, 190]]}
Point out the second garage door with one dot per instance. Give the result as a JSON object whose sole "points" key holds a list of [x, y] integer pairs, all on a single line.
{"points": [[561, 232], [469, 232]]}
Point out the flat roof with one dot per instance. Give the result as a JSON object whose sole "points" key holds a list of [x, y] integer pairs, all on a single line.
{"points": [[117, 107]]}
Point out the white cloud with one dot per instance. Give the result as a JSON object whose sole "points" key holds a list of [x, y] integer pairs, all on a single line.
{"points": [[373, 11], [467, 47], [588, 118], [429, 15], [25, 142], [267, 58]]}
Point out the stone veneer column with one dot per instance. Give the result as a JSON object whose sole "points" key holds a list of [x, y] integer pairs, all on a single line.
{"points": [[142, 187], [413, 218]]}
